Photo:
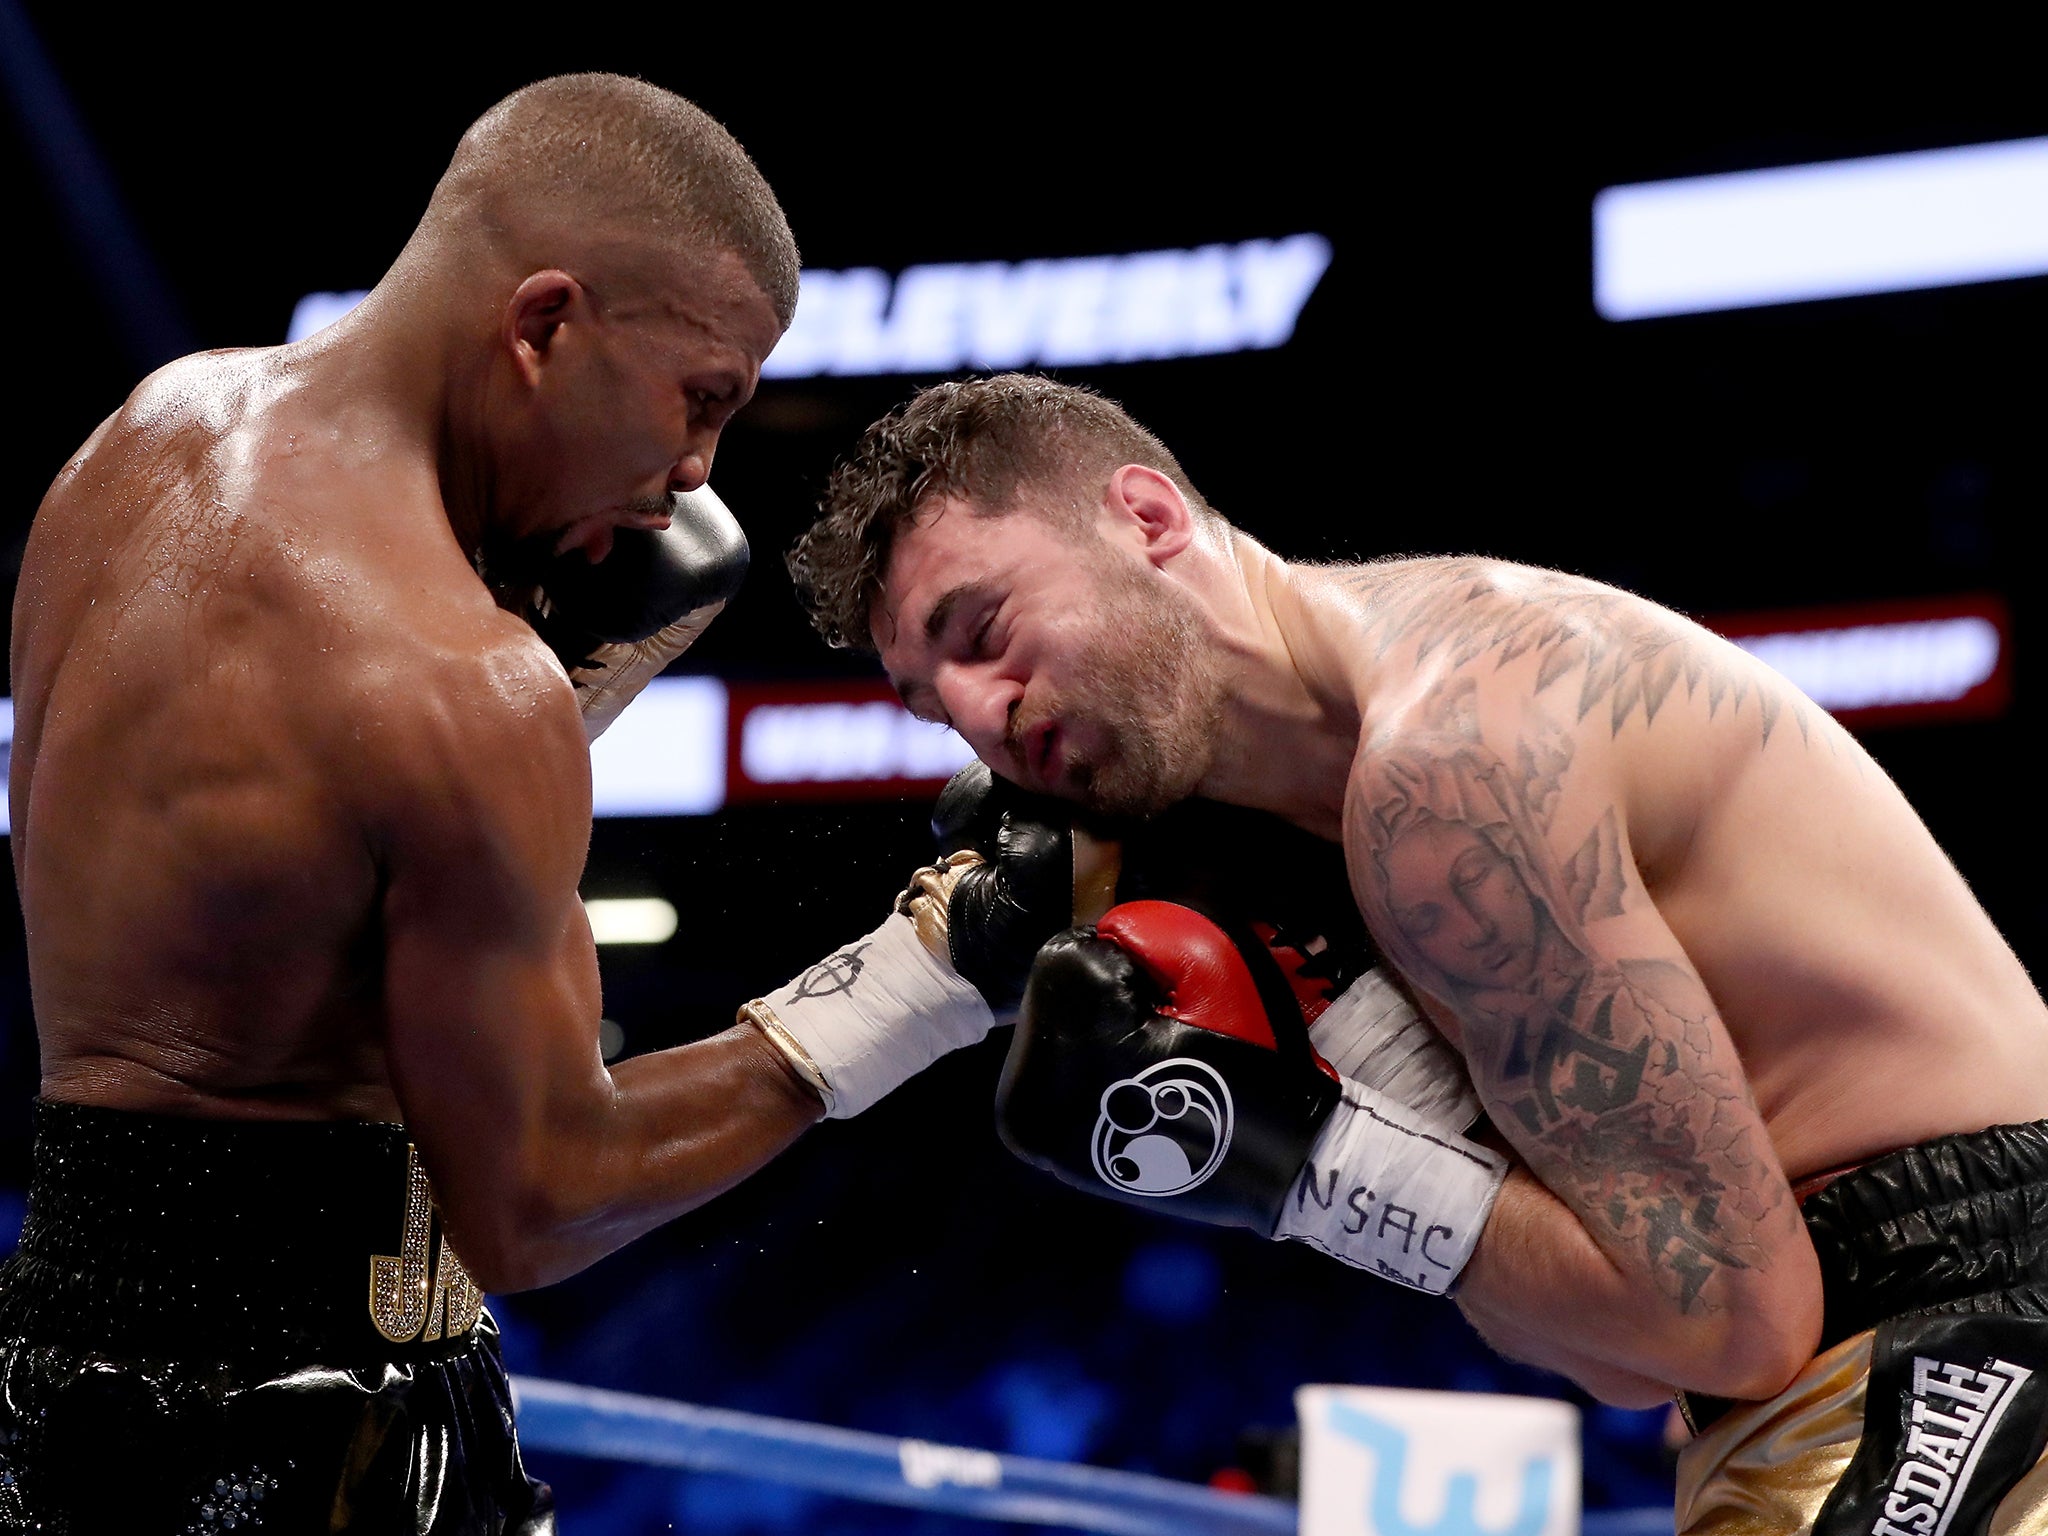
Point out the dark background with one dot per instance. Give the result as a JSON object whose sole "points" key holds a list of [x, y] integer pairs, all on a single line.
{"points": [[1449, 388]]}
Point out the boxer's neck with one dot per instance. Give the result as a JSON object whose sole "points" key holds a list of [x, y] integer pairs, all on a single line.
{"points": [[1287, 736], [407, 368]]}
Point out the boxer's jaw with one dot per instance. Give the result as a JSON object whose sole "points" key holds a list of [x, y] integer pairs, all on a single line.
{"points": [[1147, 682]]}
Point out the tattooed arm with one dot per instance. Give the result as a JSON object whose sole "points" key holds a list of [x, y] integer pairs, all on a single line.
{"points": [[1654, 1239]]}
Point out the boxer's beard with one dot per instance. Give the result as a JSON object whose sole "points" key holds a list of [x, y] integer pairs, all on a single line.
{"points": [[1150, 680]]}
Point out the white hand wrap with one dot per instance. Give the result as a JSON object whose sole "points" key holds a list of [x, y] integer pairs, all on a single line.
{"points": [[871, 1016], [1374, 1035], [1386, 1191]]}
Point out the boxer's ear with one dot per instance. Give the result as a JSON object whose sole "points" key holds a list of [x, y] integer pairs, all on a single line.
{"points": [[1150, 507], [539, 307]]}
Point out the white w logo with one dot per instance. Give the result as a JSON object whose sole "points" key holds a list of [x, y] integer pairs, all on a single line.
{"points": [[1460, 1517]]}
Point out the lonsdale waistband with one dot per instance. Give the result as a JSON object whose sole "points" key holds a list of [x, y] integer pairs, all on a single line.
{"points": [[159, 1236], [1954, 1225]]}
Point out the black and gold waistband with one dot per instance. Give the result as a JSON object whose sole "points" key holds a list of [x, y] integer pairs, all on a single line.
{"points": [[1958, 1224], [242, 1241]]}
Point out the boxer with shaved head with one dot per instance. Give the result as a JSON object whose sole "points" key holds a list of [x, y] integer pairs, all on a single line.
{"points": [[1763, 1087], [308, 647]]}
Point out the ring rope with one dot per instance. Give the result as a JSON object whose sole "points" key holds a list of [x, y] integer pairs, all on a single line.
{"points": [[586, 1421], [882, 1469]]}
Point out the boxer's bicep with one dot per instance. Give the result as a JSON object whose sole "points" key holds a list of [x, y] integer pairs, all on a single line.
{"points": [[1503, 889], [491, 993]]}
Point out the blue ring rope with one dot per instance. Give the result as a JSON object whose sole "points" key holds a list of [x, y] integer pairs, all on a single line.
{"points": [[585, 1421], [857, 1464]]}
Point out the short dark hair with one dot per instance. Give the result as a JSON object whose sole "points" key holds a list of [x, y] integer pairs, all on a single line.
{"points": [[982, 441], [579, 149]]}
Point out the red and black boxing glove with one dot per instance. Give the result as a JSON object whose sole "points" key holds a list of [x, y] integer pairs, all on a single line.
{"points": [[1162, 1061], [1158, 1060]]}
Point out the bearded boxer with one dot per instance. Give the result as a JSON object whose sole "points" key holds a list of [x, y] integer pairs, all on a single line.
{"points": [[308, 647], [1763, 1085]]}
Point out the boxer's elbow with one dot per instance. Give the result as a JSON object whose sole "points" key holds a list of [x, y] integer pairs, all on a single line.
{"points": [[502, 1274], [522, 1234], [1620, 1389], [1753, 1347], [550, 1199], [501, 1254]]}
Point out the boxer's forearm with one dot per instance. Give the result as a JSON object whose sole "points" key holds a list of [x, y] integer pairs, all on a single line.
{"points": [[708, 1115], [1528, 1342], [1539, 1289], [669, 1131]]}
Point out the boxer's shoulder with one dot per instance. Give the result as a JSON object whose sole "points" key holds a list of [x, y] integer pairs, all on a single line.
{"points": [[201, 390], [1456, 610], [1474, 646], [1398, 627], [317, 549], [462, 717], [156, 441]]}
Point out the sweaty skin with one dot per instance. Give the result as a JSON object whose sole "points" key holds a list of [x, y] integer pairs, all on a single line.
{"points": [[1694, 944], [299, 813]]}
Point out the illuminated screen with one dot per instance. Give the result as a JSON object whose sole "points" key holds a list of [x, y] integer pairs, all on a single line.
{"points": [[1882, 224]]}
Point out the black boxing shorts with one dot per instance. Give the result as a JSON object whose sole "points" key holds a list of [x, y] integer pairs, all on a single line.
{"points": [[251, 1327], [1926, 1411]]}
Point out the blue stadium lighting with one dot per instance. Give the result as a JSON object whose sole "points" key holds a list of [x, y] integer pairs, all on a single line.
{"points": [[1882, 224], [1879, 666], [828, 743], [317, 311]]}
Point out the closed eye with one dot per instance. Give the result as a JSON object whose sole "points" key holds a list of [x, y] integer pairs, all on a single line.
{"points": [[719, 400], [920, 704], [978, 647]]}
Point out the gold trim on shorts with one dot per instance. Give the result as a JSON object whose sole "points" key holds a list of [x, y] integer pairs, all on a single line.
{"points": [[1766, 1468]]}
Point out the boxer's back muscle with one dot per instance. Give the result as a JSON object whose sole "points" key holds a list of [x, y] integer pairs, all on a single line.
{"points": [[204, 622], [1871, 999]]}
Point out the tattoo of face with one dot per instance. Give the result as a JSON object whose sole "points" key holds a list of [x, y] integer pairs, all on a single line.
{"points": [[1627, 655], [1606, 1068]]}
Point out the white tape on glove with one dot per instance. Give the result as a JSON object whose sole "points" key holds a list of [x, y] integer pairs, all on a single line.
{"points": [[1374, 1035], [1385, 1190]]}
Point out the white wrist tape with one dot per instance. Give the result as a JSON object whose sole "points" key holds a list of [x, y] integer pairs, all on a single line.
{"points": [[873, 1015], [1386, 1191], [1374, 1035]]}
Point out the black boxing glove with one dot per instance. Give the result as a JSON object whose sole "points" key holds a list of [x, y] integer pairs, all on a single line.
{"points": [[616, 624], [1014, 869], [958, 947], [1160, 1062]]}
